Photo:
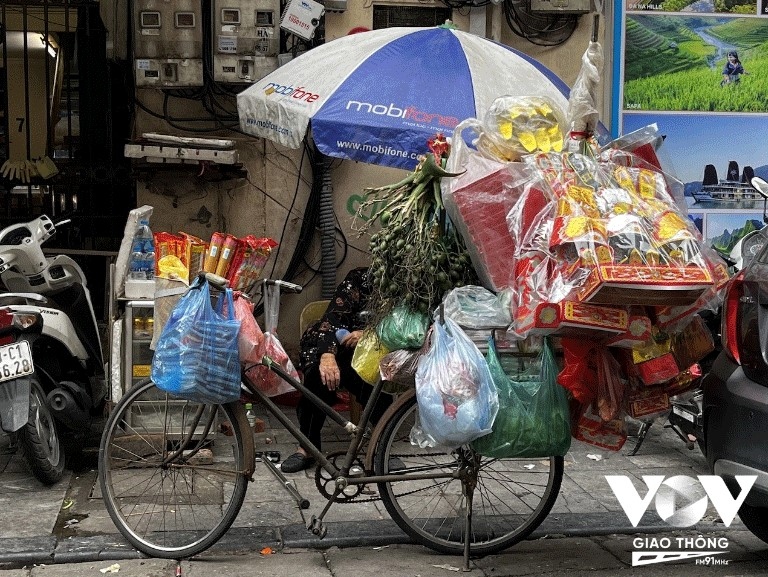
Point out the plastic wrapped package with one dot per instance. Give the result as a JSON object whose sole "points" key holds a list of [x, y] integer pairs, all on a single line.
{"points": [[197, 356], [367, 355], [478, 201], [518, 125], [475, 307], [609, 234], [266, 380], [582, 113], [398, 370]]}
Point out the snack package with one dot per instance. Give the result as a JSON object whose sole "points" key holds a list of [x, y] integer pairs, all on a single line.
{"points": [[213, 252]]}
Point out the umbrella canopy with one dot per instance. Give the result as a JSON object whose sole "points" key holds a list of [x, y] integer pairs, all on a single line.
{"points": [[378, 96]]}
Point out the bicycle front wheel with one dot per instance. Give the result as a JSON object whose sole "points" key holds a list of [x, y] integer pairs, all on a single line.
{"points": [[509, 497], [171, 481]]}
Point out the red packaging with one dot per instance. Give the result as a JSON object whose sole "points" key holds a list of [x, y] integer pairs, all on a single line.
{"points": [[658, 370]]}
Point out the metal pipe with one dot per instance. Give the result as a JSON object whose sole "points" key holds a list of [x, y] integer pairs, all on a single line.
{"points": [[327, 232]]}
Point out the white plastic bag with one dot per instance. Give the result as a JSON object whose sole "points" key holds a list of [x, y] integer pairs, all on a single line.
{"points": [[457, 398]]}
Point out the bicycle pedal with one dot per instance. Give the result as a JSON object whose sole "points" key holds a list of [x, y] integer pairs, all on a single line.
{"points": [[317, 527], [273, 456]]}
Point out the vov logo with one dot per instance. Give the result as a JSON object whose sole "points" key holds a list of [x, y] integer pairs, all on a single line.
{"points": [[680, 501]]}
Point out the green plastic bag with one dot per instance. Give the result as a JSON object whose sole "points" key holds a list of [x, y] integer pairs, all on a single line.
{"points": [[533, 418], [403, 328]]}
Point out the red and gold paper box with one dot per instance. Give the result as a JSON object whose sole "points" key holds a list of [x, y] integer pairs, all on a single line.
{"points": [[693, 343], [644, 285], [479, 210], [658, 370], [647, 401], [577, 319], [592, 429], [637, 333]]}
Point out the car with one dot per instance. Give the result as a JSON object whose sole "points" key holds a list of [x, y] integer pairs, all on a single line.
{"points": [[735, 401]]}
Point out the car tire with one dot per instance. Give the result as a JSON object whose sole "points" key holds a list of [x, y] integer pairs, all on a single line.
{"points": [[756, 520]]}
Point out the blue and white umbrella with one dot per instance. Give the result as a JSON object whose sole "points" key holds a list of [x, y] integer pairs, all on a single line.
{"points": [[378, 96]]}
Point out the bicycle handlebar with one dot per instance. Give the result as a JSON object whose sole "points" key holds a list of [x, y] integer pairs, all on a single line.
{"points": [[284, 285]]}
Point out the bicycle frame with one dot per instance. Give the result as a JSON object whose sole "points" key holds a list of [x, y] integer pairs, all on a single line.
{"points": [[358, 429]]}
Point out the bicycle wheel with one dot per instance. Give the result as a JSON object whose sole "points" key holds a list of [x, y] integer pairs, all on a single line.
{"points": [[172, 483], [510, 498]]}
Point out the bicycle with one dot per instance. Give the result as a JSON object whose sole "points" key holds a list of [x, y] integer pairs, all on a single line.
{"points": [[173, 487]]}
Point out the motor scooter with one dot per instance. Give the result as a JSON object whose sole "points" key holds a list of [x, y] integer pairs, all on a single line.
{"points": [[686, 417], [52, 378]]}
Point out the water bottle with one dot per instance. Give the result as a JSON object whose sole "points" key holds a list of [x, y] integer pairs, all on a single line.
{"points": [[250, 415], [136, 266], [142, 265], [149, 265]]}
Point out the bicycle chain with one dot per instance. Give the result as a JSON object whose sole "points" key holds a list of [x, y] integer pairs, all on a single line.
{"points": [[342, 499]]}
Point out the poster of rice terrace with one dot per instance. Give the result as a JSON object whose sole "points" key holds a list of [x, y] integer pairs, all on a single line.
{"points": [[699, 71]]}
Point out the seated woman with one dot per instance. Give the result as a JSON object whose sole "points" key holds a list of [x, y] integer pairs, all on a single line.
{"points": [[326, 362]]}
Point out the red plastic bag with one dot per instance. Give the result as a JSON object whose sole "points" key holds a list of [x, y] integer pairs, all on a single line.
{"points": [[579, 374], [250, 336], [269, 382]]}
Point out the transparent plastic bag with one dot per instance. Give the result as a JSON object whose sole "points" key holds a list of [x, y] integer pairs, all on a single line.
{"points": [[457, 398], [398, 370], [197, 356], [475, 307], [533, 419]]}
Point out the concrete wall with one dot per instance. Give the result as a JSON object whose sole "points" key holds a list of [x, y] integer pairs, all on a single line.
{"points": [[260, 205]]}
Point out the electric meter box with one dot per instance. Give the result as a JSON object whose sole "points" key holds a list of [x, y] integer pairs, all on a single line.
{"points": [[246, 39], [168, 43], [302, 17]]}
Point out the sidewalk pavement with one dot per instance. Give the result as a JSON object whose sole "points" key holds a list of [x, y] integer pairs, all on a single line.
{"points": [[67, 523]]}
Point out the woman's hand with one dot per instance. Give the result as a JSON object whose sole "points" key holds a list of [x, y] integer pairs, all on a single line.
{"points": [[352, 339], [329, 370]]}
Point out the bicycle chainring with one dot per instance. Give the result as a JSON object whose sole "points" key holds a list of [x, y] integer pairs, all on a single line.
{"points": [[326, 484]]}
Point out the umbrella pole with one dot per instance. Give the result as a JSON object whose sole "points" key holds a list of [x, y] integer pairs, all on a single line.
{"points": [[327, 223]]}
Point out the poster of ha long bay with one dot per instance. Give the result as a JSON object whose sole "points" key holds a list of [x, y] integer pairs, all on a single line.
{"points": [[698, 69]]}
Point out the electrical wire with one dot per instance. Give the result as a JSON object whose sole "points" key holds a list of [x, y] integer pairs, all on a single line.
{"points": [[539, 28]]}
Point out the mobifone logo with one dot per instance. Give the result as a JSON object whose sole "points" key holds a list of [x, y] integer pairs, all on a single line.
{"points": [[680, 501]]}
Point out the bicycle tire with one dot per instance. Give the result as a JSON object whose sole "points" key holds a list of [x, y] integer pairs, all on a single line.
{"points": [[181, 507], [510, 498]]}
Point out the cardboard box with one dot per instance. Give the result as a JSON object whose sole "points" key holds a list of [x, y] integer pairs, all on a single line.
{"points": [[139, 289]]}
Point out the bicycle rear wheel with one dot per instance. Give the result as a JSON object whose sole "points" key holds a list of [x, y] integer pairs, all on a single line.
{"points": [[172, 483], [510, 498]]}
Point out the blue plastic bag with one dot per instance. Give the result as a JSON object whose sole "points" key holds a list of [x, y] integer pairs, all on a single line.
{"points": [[457, 398], [197, 354]]}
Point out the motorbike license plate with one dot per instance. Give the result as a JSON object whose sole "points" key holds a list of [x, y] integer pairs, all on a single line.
{"points": [[15, 361], [683, 413]]}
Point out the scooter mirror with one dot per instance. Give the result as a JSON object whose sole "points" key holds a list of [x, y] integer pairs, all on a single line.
{"points": [[68, 220], [761, 186]]}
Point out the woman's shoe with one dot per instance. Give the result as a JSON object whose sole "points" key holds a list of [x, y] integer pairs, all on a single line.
{"points": [[297, 462]]}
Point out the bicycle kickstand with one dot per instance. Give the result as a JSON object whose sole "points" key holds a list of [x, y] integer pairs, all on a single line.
{"points": [[302, 502]]}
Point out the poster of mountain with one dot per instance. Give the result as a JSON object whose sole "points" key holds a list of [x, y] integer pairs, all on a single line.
{"points": [[699, 72]]}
